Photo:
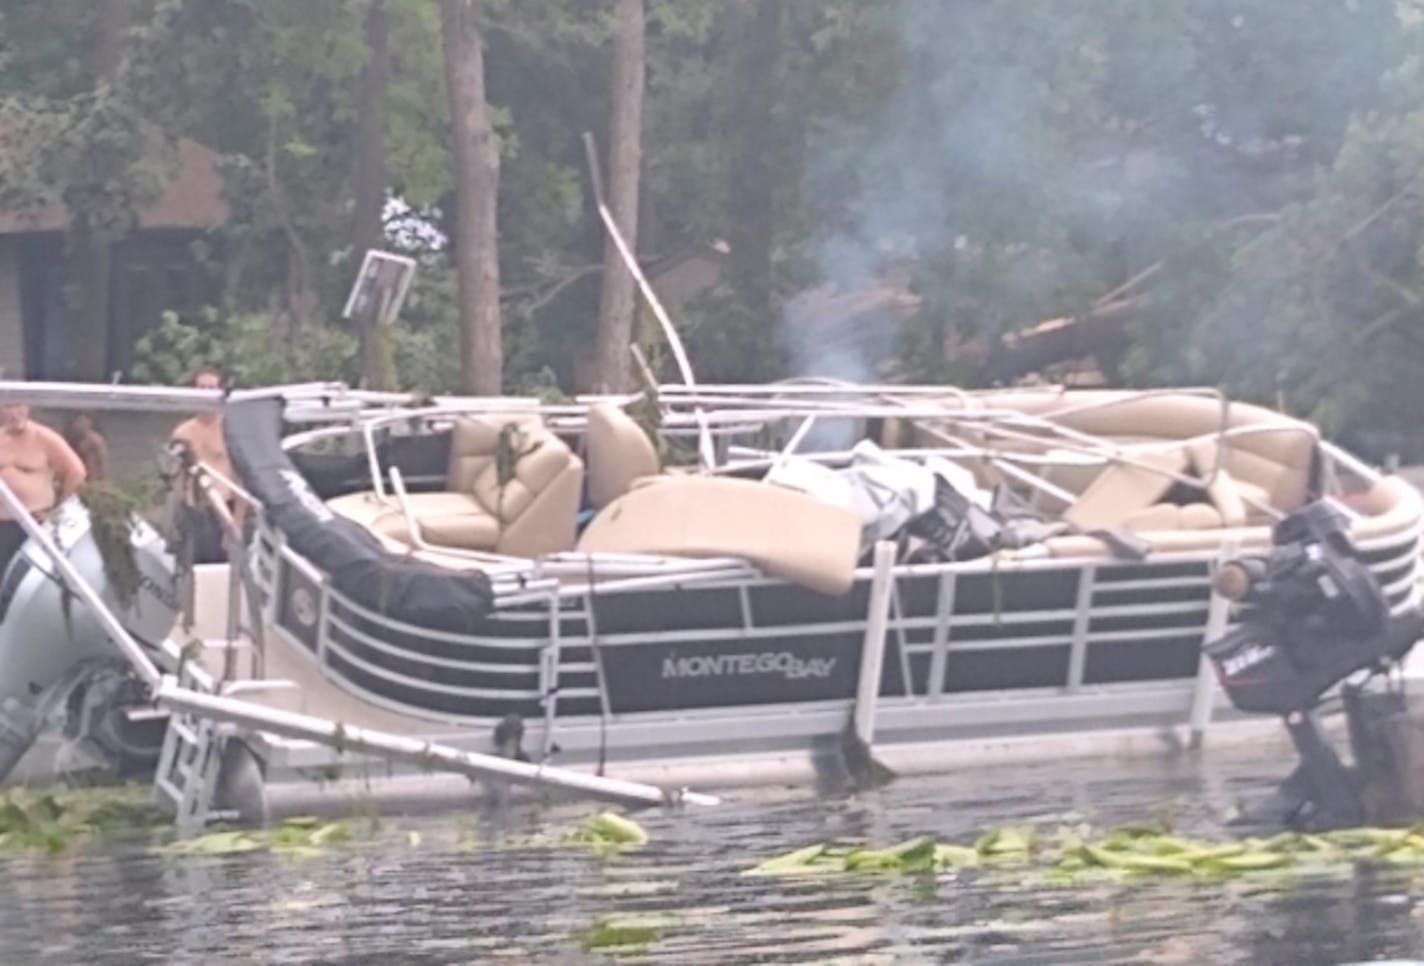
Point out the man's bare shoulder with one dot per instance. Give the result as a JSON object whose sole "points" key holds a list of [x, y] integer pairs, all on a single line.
{"points": [[48, 437], [185, 430]]}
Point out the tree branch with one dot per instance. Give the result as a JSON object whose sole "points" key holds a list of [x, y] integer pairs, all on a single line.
{"points": [[1399, 290], [1239, 221], [1372, 217], [547, 293]]}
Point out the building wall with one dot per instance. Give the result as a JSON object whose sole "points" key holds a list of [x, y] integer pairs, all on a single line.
{"points": [[12, 329], [135, 438]]}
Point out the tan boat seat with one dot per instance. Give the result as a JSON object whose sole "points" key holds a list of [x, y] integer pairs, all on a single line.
{"points": [[618, 452], [1267, 451], [383, 518], [452, 520], [1123, 489], [1227, 494], [1164, 517], [785, 533], [530, 514]]}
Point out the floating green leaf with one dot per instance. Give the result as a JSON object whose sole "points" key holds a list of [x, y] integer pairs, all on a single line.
{"points": [[303, 837], [608, 832], [607, 932], [1071, 855], [810, 860], [225, 842]]}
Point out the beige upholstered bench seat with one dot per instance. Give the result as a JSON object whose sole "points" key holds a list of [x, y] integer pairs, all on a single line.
{"points": [[529, 513], [1391, 512], [454, 520], [618, 453], [1164, 517], [445, 519], [785, 533]]}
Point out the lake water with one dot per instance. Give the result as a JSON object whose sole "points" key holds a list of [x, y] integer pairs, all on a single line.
{"points": [[471, 888]]}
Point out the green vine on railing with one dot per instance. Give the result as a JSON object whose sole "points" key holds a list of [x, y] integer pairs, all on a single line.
{"points": [[112, 515]]}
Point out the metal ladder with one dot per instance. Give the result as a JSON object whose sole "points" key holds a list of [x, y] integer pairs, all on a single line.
{"points": [[188, 765], [187, 775]]}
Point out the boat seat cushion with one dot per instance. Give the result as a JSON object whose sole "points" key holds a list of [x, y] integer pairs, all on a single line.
{"points": [[380, 517], [531, 513], [1122, 489], [454, 520], [618, 453], [473, 443], [535, 509], [1164, 517], [542, 457], [785, 533], [447, 519], [549, 490]]}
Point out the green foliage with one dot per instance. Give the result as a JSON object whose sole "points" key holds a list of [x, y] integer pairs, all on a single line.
{"points": [[113, 512], [425, 338], [300, 837], [244, 347], [1019, 161], [53, 820]]}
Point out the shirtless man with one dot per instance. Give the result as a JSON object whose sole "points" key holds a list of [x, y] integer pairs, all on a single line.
{"points": [[91, 446], [38, 466], [203, 435]]}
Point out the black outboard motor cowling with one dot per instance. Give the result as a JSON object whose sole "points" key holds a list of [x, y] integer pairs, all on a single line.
{"points": [[1315, 616]]}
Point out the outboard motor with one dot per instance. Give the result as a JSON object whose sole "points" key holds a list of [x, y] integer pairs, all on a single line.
{"points": [[57, 665], [1313, 617]]}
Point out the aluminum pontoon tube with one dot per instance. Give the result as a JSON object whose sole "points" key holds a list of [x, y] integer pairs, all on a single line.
{"points": [[142, 665], [424, 754]]}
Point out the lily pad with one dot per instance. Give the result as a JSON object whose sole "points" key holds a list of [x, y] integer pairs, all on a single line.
{"points": [[610, 932], [609, 832], [1072, 855]]}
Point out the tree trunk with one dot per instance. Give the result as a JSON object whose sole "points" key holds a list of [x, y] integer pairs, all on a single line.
{"points": [[90, 251], [751, 178], [476, 239], [625, 153], [1100, 332], [369, 178]]}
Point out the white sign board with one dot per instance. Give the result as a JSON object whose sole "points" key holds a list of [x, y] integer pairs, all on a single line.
{"points": [[380, 288]]}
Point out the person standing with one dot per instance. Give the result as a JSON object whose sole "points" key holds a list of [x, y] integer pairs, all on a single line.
{"points": [[86, 440], [38, 466], [203, 436]]}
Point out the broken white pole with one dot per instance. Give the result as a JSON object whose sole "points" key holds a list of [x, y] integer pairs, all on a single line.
{"points": [[872, 653], [423, 754], [1204, 690], [630, 260], [75, 582]]}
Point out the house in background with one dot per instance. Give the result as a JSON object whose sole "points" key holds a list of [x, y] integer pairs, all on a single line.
{"points": [[153, 271]]}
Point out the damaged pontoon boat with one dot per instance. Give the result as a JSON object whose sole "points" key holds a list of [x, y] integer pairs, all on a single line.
{"points": [[484, 572]]}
